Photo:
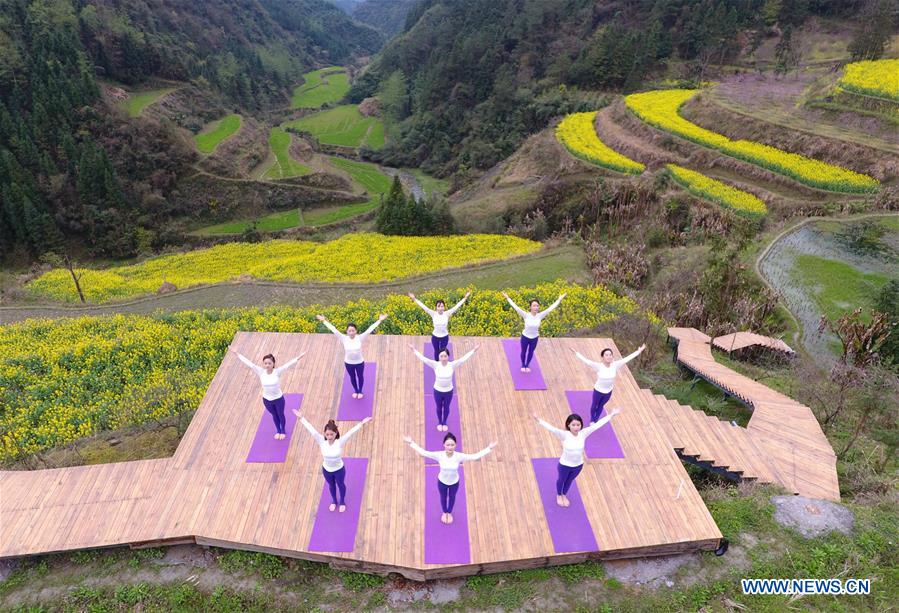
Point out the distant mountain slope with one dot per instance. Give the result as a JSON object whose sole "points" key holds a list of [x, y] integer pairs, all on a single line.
{"points": [[388, 16], [347, 6]]}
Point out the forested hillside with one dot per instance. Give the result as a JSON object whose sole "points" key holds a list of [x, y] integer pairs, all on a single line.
{"points": [[72, 167], [388, 16], [493, 68]]}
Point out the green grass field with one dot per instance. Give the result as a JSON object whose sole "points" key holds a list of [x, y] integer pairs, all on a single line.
{"points": [[836, 287], [321, 87], [431, 185], [343, 126], [138, 101], [208, 140], [284, 166], [366, 175]]}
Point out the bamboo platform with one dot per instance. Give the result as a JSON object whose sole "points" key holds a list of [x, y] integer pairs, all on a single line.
{"points": [[643, 504], [742, 340], [782, 443]]}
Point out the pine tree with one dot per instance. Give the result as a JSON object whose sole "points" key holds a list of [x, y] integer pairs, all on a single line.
{"points": [[394, 214]]}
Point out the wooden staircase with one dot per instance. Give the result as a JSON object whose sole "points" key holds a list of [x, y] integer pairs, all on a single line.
{"points": [[707, 441]]}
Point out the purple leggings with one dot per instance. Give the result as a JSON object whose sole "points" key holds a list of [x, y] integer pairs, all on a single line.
{"points": [[276, 408], [567, 475], [442, 400], [599, 402], [528, 345], [447, 495], [336, 481], [357, 375]]}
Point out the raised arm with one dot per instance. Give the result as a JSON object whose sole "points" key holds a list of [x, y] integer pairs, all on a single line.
{"points": [[557, 432], [315, 433], [476, 456], [520, 310], [424, 307], [331, 327], [424, 452], [249, 363], [599, 424], [551, 307], [464, 358], [290, 363], [458, 304], [628, 358], [346, 435], [590, 363], [426, 360], [372, 327]]}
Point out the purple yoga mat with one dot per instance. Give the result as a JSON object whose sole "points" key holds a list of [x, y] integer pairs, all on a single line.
{"points": [[433, 437], [429, 372], [445, 543], [333, 530], [523, 380], [569, 527], [265, 447], [357, 409], [603, 443]]}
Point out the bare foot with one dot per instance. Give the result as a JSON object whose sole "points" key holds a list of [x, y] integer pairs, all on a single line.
{"points": [[449, 518], [528, 369], [342, 508], [332, 507], [523, 369], [443, 518], [566, 501], [361, 396], [277, 436], [439, 428], [560, 501]]}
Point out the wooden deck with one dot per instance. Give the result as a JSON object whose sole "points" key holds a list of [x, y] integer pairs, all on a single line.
{"points": [[743, 340], [207, 493], [783, 442]]}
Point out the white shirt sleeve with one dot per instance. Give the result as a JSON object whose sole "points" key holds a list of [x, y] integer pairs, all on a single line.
{"points": [[557, 432], [590, 363], [462, 360], [371, 329], [458, 304], [281, 369], [549, 309], [315, 433], [255, 367], [334, 330], [473, 456], [428, 361], [520, 310], [596, 426], [424, 452], [346, 436], [619, 363], [425, 308]]}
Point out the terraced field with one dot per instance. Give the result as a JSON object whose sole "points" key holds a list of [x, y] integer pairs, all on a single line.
{"points": [[285, 166], [321, 87], [344, 126], [217, 132], [136, 102]]}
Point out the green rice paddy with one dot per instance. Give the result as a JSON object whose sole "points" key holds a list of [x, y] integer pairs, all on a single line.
{"points": [[344, 126], [320, 87], [138, 101], [284, 166], [209, 139]]}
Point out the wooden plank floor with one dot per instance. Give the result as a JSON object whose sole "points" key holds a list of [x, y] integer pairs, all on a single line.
{"points": [[787, 444], [207, 491]]}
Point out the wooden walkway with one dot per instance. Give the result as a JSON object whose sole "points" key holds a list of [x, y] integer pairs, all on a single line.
{"points": [[742, 340], [783, 442], [207, 493]]}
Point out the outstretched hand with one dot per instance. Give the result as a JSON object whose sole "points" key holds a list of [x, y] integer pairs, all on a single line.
{"points": [[467, 294], [614, 412], [320, 317], [382, 317], [366, 420], [411, 295], [492, 445], [563, 295], [297, 413], [641, 347], [505, 295], [407, 440], [535, 416]]}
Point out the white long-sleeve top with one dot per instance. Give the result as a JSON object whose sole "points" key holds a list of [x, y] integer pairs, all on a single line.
{"points": [[531, 321], [605, 375], [441, 320], [573, 445], [332, 453], [443, 375], [271, 383], [352, 347], [449, 464]]}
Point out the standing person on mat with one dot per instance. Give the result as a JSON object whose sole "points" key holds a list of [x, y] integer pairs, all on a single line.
{"points": [[605, 377], [272, 397], [574, 438], [449, 460], [531, 332], [443, 381], [352, 350], [332, 453], [440, 317]]}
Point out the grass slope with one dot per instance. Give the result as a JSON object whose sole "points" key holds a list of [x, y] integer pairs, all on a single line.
{"points": [[344, 126], [210, 138], [284, 166], [834, 286], [320, 87], [138, 101]]}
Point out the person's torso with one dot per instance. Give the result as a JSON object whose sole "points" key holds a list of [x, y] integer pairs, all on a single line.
{"points": [[271, 385], [449, 468], [352, 349], [441, 324], [443, 377]]}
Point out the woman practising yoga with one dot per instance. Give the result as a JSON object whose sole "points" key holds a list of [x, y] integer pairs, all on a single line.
{"points": [[272, 397], [573, 438], [352, 350], [332, 451], [440, 317], [443, 381], [605, 377], [531, 332], [448, 478]]}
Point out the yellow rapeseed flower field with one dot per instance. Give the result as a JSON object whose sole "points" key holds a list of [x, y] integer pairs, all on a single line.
{"points": [[577, 133], [354, 258], [872, 78], [64, 379], [660, 109], [716, 191]]}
